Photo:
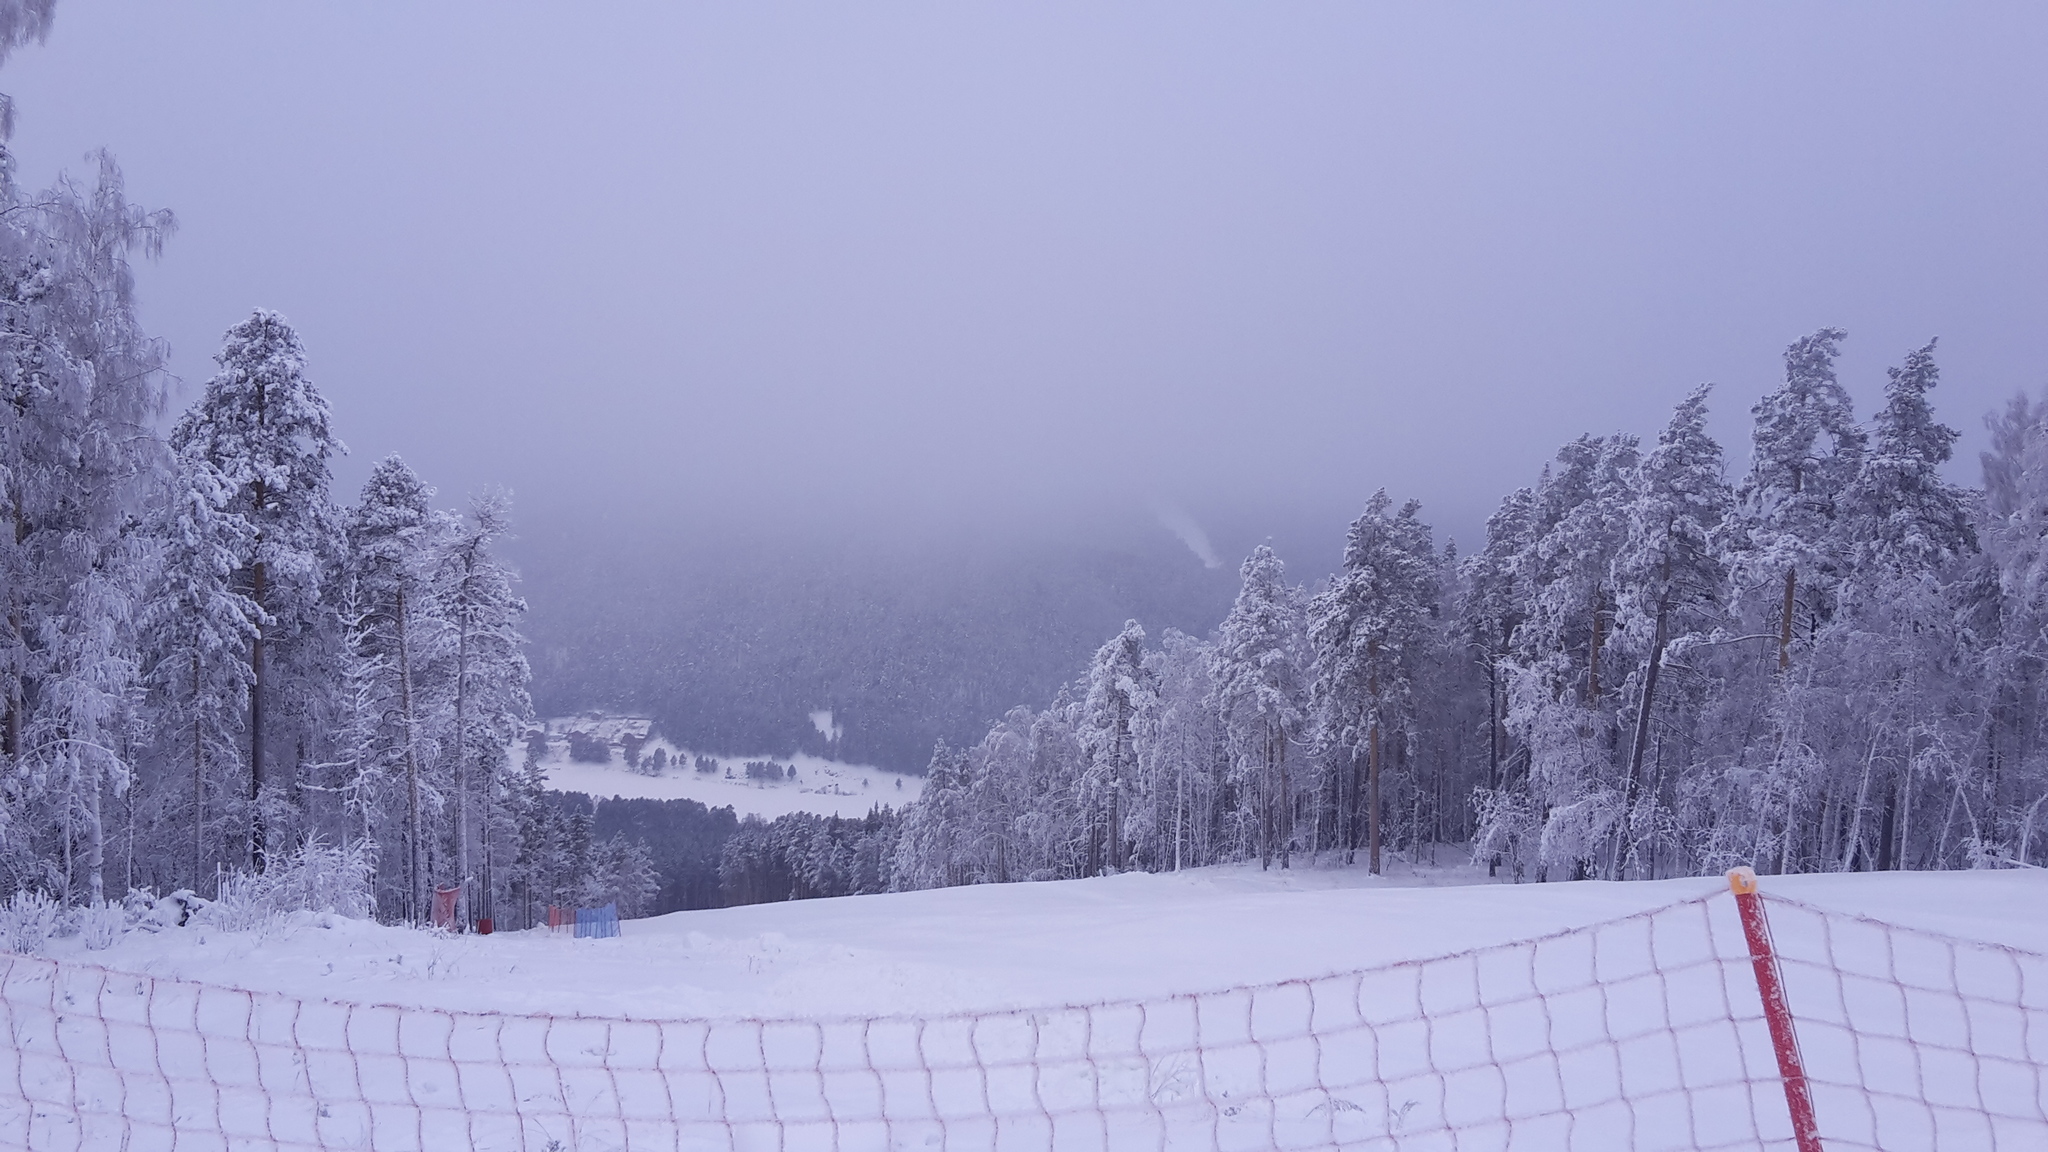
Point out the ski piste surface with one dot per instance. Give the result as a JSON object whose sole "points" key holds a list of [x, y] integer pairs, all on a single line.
{"points": [[995, 947]]}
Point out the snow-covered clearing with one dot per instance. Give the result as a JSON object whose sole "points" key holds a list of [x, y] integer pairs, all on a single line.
{"points": [[826, 787], [1154, 989], [821, 785]]}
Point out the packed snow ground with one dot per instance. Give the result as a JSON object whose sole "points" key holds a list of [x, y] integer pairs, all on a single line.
{"points": [[1008, 946], [822, 785], [1225, 1008]]}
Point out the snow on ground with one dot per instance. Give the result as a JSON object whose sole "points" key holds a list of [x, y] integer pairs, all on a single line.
{"points": [[1613, 1030], [825, 786], [1005, 946]]}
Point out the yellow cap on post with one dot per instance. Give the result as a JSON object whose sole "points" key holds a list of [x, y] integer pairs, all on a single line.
{"points": [[1742, 881]]}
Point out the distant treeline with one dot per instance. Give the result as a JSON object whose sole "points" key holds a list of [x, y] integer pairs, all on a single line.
{"points": [[1835, 660], [699, 857]]}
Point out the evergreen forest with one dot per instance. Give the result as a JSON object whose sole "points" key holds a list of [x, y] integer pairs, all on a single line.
{"points": [[1819, 654]]}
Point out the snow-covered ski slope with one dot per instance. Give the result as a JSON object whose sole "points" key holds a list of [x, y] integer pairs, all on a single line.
{"points": [[1224, 1008]]}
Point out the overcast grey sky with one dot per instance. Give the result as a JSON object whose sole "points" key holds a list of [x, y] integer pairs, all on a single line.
{"points": [[1252, 260]]}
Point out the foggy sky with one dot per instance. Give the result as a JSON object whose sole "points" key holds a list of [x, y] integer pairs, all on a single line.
{"points": [[1035, 263]]}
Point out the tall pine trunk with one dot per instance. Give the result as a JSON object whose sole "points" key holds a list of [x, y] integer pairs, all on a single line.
{"points": [[1649, 702], [487, 899], [1785, 624], [412, 767], [1372, 795], [462, 774], [1345, 785], [198, 779], [1267, 802], [1493, 725], [10, 733], [1888, 831], [256, 831], [1372, 763], [95, 840], [1112, 849], [1180, 808], [1286, 828], [1593, 655]]}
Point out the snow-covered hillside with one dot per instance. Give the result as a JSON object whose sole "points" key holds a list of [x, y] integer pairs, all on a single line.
{"points": [[659, 770]]}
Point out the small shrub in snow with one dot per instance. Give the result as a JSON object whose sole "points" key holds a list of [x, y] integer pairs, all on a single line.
{"points": [[1991, 854], [99, 925], [28, 921], [316, 878]]}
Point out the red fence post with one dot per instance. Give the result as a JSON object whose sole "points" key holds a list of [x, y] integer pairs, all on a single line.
{"points": [[1771, 989]]}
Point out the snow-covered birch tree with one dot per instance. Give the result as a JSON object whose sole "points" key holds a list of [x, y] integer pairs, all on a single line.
{"points": [[80, 384]]}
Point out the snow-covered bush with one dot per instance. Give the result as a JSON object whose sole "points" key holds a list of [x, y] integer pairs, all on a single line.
{"points": [[28, 921], [175, 910], [99, 925], [316, 878]]}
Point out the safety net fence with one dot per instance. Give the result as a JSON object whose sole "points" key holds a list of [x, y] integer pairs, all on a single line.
{"points": [[1682, 1027]]}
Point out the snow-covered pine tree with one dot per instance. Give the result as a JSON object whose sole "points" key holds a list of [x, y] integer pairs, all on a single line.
{"points": [[1119, 693], [473, 591], [1905, 664], [1805, 449], [1900, 515], [1495, 602], [1446, 753], [929, 851], [1494, 606], [999, 797], [1670, 582], [1261, 698], [1183, 753], [2010, 617], [264, 428], [196, 629], [400, 631], [1562, 705], [1054, 836], [1365, 632]]}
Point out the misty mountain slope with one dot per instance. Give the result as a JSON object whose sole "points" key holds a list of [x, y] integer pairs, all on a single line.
{"points": [[731, 646]]}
